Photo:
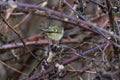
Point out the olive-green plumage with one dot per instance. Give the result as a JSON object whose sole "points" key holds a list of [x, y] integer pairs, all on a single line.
{"points": [[55, 33]]}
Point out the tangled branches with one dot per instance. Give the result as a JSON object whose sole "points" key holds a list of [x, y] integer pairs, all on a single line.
{"points": [[90, 44]]}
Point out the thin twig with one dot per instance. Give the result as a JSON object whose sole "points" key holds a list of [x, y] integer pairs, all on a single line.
{"points": [[21, 39], [74, 58], [80, 16], [80, 23], [100, 5], [10, 67]]}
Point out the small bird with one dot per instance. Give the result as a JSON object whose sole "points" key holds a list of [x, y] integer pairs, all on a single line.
{"points": [[54, 32]]}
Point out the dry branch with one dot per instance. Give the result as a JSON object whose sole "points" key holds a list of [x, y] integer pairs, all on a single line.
{"points": [[7, 47]]}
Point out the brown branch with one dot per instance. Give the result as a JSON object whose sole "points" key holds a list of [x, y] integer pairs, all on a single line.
{"points": [[100, 5], [7, 47], [110, 13], [10, 67], [35, 37], [74, 58], [20, 37], [80, 16], [84, 24]]}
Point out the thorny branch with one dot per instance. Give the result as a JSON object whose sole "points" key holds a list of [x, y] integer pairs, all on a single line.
{"points": [[74, 58], [82, 23]]}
